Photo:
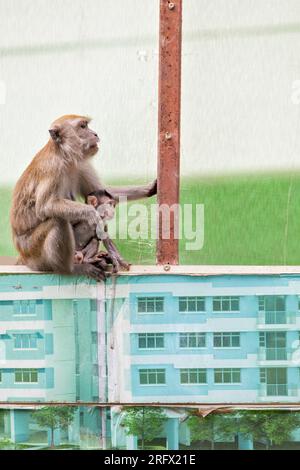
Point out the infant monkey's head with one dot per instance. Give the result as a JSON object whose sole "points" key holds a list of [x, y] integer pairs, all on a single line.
{"points": [[103, 201]]}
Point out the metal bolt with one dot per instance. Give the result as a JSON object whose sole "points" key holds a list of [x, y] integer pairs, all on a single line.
{"points": [[168, 135], [167, 267], [171, 6]]}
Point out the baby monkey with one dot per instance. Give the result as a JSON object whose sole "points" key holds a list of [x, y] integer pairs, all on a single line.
{"points": [[87, 242]]}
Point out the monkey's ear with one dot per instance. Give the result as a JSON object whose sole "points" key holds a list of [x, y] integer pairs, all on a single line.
{"points": [[92, 200], [55, 134]]}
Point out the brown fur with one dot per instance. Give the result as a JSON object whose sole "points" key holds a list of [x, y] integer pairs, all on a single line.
{"points": [[44, 208], [87, 243]]}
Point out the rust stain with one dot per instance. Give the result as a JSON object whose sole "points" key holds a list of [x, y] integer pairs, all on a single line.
{"points": [[170, 40]]}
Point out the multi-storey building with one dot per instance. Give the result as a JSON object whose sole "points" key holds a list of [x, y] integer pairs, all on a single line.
{"points": [[161, 338], [208, 339], [205, 339], [48, 346]]}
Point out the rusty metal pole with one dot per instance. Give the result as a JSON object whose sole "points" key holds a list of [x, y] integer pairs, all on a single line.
{"points": [[170, 38]]}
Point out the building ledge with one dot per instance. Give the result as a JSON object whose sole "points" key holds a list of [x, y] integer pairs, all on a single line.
{"points": [[8, 266]]}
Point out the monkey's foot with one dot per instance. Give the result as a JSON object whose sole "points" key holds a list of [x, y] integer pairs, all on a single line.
{"points": [[90, 270], [123, 264], [100, 260], [117, 262], [105, 259]]}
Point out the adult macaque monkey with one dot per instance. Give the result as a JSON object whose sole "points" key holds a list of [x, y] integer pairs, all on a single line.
{"points": [[44, 208]]}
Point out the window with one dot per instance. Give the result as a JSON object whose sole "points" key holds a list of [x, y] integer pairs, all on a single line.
{"points": [[191, 304], [25, 341], [150, 305], [152, 376], [273, 308], [192, 376], [272, 303], [263, 376], [226, 304], [275, 380], [274, 343], [93, 305], [226, 340], [24, 307], [26, 376], [272, 339], [227, 376], [262, 340], [151, 341], [192, 340], [0, 375]]}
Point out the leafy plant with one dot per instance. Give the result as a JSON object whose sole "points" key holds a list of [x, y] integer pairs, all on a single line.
{"points": [[145, 423]]}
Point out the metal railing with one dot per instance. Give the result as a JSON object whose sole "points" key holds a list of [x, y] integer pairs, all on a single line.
{"points": [[276, 390], [269, 317], [273, 354]]}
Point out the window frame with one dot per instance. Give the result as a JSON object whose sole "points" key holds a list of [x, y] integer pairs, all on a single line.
{"points": [[190, 298], [262, 300], [192, 370], [148, 299], [22, 348], [222, 335], [203, 334], [226, 298], [226, 370], [147, 335], [154, 370], [26, 370], [29, 303]]}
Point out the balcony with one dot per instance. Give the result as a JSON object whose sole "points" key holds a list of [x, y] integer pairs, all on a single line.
{"points": [[272, 319], [266, 355], [267, 391]]}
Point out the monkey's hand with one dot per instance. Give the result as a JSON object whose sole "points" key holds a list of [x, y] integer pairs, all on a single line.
{"points": [[152, 188]]}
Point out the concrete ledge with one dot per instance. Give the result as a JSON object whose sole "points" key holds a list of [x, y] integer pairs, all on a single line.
{"points": [[8, 266]]}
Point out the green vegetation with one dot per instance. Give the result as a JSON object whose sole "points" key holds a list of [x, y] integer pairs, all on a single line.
{"points": [[271, 427], [252, 219], [210, 427], [145, 423], [265, 427], [54, 417]]}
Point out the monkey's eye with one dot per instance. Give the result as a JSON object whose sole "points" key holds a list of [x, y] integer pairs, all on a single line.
{"points": [[83, 125]]}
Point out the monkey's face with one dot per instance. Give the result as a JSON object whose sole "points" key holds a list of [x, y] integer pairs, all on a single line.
{"points": [[89, 138], [106, 208], [105, 205], [73, 133]]}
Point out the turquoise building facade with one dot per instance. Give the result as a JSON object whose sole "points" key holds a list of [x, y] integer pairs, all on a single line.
{"points": [[207, 339], [145, 338], [48, 348]]}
